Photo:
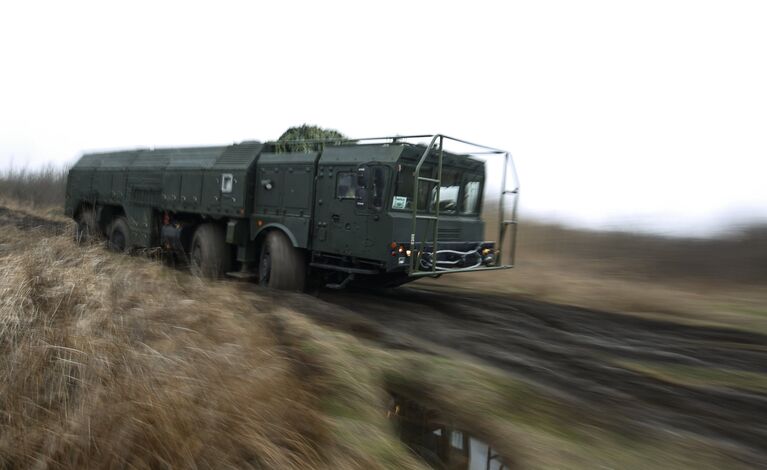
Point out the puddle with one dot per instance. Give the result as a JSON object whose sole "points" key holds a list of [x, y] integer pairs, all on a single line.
{"points": [[431, 437]]}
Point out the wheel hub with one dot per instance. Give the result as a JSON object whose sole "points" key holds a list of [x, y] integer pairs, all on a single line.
{"points": [[265, 267]]}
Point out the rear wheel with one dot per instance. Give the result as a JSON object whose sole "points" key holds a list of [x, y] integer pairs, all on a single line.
{"points": [[86, 229], [210, 256], [119, 236], [281, 265]]}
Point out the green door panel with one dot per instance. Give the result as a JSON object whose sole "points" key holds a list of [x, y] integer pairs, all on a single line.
{"points": [[191, 189], [338, 222]]}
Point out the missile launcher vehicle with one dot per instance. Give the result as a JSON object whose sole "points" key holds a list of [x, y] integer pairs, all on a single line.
{"points": [[379, 211]]}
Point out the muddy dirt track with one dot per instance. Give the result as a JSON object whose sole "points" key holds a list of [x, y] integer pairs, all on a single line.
{"points": [[573, 352], [25, 221]]}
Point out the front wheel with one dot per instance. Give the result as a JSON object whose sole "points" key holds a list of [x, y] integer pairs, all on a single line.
{"points": [[119, 235], [281, 265], [86, 229], [210, 256]]}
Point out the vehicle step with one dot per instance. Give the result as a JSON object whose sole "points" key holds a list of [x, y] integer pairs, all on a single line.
{"points": [[242, 274]]}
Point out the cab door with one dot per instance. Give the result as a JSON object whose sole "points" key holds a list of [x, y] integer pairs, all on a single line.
{"points": [[339, 226], [378, 234], [350, 203]]}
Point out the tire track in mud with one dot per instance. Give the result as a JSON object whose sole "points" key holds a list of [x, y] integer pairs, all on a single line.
{"points": [[571, 351], [25, 221]]}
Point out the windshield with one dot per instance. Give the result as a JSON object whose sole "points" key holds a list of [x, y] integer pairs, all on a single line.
{"points": [[403, 189], [448, 192], [472, 187], [458, 193]]}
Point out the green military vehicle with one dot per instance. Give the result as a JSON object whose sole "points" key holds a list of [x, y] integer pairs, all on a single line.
{"points": [[381, 211]]}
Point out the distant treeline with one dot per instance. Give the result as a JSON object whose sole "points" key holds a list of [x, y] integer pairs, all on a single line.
{"points": [[45, 186]]}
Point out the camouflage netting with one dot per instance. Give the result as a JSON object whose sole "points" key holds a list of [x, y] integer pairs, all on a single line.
{"points": [[306, 132]]}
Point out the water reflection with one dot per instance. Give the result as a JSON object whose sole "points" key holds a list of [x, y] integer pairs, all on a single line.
{"points": [[436, 441]]}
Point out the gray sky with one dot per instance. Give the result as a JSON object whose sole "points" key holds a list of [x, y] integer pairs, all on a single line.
{"points": [[651, 114]]}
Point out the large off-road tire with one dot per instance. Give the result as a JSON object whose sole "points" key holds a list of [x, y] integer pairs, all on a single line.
{"points": [[281, 265], [86, 229], [119, 235], [209, 254]]}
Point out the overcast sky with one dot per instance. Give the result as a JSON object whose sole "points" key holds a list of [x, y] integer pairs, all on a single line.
{"points": [[643, 114]]}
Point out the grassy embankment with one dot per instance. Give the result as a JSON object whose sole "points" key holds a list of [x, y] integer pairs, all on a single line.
{"points": [[110, 360]]}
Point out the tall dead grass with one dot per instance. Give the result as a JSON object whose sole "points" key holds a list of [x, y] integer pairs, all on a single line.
{"points": [[45, 186], [113, 362]]}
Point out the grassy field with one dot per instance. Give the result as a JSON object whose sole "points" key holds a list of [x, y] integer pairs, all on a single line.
{"points": [[718, 281], [116, 361]]}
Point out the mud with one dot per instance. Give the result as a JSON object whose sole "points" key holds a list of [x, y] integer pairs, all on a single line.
{"points": [[572, 352]]}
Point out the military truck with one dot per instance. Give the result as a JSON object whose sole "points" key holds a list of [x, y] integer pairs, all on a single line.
{"points": [[378, 211]]}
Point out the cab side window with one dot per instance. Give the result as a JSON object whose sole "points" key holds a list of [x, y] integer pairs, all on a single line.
{"points": [[346, 185], [378, 186], [367, 186]]}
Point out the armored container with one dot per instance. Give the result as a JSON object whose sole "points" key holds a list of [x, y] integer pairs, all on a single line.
{"points": [[381, 211]]}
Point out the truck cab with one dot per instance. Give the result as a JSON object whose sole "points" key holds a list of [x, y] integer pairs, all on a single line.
{"points": [[382, 209]]}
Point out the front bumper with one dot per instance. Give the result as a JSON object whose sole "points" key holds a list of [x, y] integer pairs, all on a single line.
{"points": [[450, 257]]}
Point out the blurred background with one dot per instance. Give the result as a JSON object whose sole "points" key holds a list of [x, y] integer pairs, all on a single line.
{"points": [[644, 117]]}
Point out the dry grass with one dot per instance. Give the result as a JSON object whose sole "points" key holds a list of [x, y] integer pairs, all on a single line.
{"points": [[109, 361], [112, 361], [42, 187], [700, 376]]}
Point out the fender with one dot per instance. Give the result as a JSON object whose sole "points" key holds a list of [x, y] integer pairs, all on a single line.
{"points": [[277, 226]]}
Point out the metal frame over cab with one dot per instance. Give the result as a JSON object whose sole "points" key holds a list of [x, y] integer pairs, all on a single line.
{"points": [[437, 145]]}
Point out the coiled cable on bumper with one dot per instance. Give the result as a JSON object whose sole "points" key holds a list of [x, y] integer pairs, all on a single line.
{"points": [[462, 256]]}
